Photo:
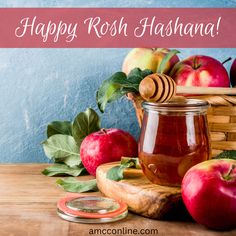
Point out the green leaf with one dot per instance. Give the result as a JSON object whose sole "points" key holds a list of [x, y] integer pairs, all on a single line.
{"points": [[164, 61], [71, 184], [227, 154], [134, 72], [62, 148], [59, 127], [118, 85], [134, 160], [116, 172], [62, 169], [84, 124], [146, 72], [134, 78], [110, 90], [136, 75]]}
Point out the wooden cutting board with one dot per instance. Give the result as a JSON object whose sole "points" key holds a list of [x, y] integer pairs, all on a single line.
{"points": [[141, 196]]}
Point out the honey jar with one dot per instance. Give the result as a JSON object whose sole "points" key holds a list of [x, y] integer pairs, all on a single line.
{"points": [[174, 137]]}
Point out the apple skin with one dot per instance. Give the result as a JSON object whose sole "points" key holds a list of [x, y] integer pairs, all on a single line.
{"points": [[201, 71], [106, 145], [209, 196], [147, 58], [233, 74]]}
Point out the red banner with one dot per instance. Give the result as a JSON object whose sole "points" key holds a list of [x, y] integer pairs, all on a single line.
{"points": [[117, 27]]}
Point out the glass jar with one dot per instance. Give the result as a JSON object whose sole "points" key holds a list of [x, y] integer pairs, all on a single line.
{"points": [[174, 137]]}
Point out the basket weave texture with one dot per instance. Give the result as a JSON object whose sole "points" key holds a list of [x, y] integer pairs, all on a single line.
{"points": [[221, 116]]}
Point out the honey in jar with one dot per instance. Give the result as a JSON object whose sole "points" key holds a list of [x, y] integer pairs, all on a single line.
{"points": [[174, 137]]}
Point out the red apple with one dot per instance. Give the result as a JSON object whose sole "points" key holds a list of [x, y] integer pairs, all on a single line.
{"points": [[148, 58], [106, 145], [200, 71], [209, 193], [233, 74]]}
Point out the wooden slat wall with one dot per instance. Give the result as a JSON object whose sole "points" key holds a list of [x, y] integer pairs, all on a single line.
{"points": [[222, 126]]}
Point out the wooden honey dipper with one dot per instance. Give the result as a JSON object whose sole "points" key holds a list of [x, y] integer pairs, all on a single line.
{"points": [[161, 88]]}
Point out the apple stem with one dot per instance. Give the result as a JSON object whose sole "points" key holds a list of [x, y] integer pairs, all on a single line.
{"points": [[195, 65], [103, 130], [227, 176], [228, 59]]}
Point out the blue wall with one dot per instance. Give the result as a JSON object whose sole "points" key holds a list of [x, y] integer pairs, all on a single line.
{"points": [[42, 85]]}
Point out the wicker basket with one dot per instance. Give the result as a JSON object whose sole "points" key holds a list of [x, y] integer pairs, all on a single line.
{"points": [[221, 119]]}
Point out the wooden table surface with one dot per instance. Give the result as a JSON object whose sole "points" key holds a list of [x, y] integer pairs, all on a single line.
{"points": [[28, 207]]}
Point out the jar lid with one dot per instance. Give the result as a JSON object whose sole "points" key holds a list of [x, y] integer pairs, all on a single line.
{"points": [[178, 104], [91, 209]]}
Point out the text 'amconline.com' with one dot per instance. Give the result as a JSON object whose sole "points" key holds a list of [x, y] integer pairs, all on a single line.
{"points": [[122, 231]]}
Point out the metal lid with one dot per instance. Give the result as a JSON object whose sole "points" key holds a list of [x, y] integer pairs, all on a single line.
{"points": [[91, 209], [179, 104]]}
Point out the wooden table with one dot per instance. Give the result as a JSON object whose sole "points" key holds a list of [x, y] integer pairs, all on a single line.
{"points": [[28, 207]]}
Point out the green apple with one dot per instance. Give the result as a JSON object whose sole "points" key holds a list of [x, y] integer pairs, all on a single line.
{"points": [[148, 58]]}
